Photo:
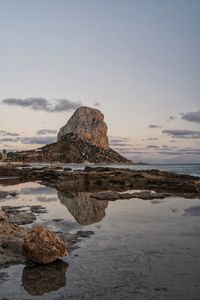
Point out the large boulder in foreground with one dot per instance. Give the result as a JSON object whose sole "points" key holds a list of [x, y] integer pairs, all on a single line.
{"points": [[43, 246], [88, 124]]}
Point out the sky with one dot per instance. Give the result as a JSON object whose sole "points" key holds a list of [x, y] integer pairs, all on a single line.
{"points": [[138, 61]]}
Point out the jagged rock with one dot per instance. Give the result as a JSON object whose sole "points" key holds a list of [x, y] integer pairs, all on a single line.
{"points": [[43, 246], [88, 124]]}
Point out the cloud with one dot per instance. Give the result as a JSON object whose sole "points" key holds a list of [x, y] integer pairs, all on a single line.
{"points": [[191, 116], [119, 141], [55, 105], [152, 147], [171, 118], [46, 131], [152, 139], [7, 133], [41, 140], [184, 134], [5, 139], [153, 126]]}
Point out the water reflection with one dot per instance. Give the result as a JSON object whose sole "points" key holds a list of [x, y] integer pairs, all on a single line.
{"points": [[84, 209], [40, 279], [193, 211]]}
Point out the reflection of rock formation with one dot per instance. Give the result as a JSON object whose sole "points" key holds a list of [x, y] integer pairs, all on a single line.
{"points": [[84, 209], [40, 279]]}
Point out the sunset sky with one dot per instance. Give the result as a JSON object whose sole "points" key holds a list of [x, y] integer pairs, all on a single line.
{"points": [[138, 61]]}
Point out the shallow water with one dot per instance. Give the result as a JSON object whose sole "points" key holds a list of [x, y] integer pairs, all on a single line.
{"points": [[141, 249]]}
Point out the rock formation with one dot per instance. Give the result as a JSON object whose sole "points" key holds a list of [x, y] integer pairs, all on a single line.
{"points": [[82, 139], [88, 124], [71, 149], [43, 246]]}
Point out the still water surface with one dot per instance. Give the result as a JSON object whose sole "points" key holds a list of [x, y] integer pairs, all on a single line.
{"points": [[140, 249]]}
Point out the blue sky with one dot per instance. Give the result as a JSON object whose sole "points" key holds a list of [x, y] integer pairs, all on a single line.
{"points": [[136, 61]]}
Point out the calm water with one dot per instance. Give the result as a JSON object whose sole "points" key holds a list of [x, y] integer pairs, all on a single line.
{"points": [[139, 250]]}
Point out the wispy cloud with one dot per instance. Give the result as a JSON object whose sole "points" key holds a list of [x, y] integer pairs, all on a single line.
{"points": [[171, 118], [46, 131], [7, 133], [152, 139], [40, 140], [54, 105], [153, 126], [184, 134], [191, 116], [152, 146]]}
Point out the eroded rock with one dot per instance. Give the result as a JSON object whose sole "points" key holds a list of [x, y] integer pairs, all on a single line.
{"points": [[88, 124], [43, 246]]}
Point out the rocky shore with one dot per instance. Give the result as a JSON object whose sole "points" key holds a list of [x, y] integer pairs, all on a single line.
{"points": [[102, 184], [19, 244], [114, 179]]}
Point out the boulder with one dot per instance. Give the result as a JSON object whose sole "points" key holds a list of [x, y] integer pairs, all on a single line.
{"points": [[88, 124], [43, 246]]}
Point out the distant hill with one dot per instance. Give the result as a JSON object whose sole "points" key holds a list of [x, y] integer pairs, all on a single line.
{"points": [[72, 149]]}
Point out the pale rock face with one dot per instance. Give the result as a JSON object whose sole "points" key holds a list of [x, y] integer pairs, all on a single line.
{"points": [[88, 124]]}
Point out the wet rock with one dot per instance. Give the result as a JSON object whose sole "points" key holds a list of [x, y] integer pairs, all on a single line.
{"points": [[73, 239], [43, 246], [38, 209], [22, 218], [40, 279], [67, 169], [11, 240], [17, 216]]}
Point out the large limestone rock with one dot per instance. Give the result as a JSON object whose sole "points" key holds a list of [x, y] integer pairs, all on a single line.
{"points": [[88, 124], [43, 246]]}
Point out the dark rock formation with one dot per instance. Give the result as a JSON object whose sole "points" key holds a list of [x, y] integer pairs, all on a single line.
{"points": [[84, 209], [43, 246], [72, 149], [88, 124]]}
